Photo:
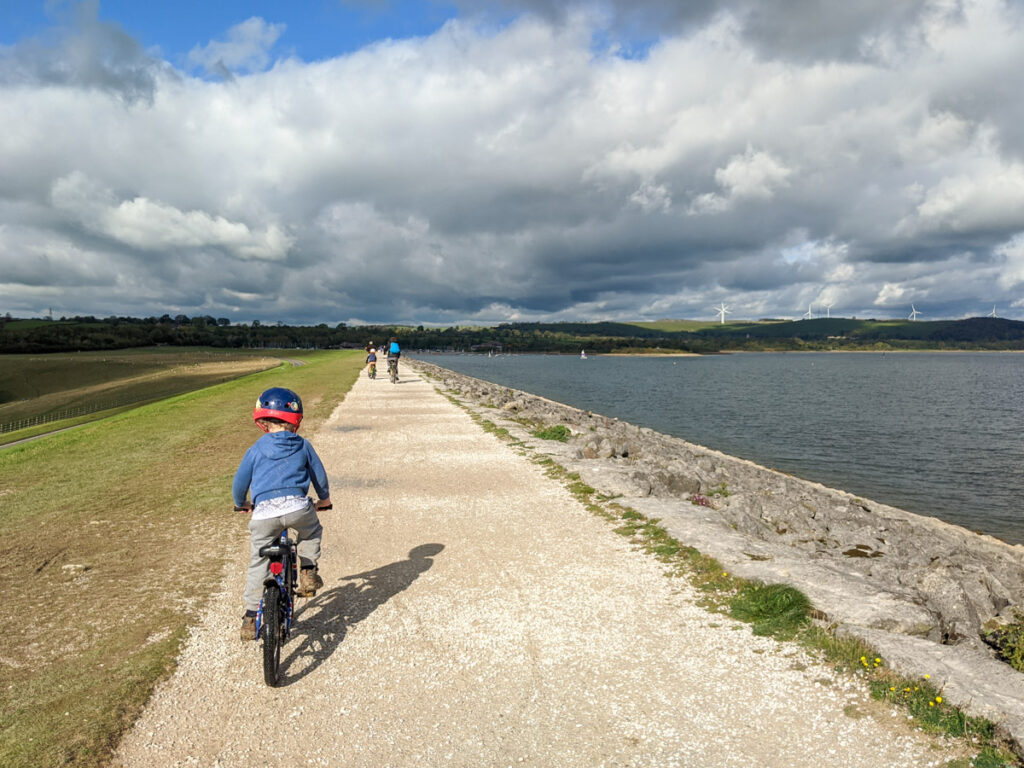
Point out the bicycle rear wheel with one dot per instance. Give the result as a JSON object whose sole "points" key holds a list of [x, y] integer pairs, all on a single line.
{"points": [[273, 634]]}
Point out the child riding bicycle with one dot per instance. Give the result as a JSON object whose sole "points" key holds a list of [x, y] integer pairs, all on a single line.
{"points": [[277, 470], [371, 360]]}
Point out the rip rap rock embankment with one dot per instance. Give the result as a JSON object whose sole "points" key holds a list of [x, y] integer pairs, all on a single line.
{"points": [[919, 590]]}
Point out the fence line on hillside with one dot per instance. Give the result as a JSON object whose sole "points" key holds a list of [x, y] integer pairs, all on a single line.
{"points": [[85, 410], [67, 413]]}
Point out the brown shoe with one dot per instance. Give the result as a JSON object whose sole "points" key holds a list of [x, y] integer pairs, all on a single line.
{"points": [[248, 631], [309, 582]]}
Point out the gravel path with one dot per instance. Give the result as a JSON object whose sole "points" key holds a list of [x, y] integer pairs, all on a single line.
{"points": [[475, 614]]}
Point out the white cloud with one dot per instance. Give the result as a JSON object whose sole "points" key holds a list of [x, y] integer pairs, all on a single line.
{"points": [[753, 174], [652, 198], [151, 225], [992, 196], [889, 295], [1012, 253], [245, 49]]}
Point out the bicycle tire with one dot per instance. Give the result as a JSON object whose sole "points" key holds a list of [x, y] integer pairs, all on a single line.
{"points": [[393, 372], [273, 631]]}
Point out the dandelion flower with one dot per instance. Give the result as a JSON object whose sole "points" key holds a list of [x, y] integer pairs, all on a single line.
{"points": [[931, 703], [927, 677], [938, 699]]}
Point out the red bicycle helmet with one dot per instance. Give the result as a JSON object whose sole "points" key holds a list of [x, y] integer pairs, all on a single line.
{"points": [[279, 403]]}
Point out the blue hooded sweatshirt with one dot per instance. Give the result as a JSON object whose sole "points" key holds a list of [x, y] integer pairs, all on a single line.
{"points": [[279, 464]]}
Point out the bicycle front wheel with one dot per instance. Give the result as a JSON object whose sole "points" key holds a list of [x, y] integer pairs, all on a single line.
{"points": [[273, 634]]}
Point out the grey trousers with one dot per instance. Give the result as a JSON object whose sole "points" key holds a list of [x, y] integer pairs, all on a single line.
{"points": [[262, 532]]}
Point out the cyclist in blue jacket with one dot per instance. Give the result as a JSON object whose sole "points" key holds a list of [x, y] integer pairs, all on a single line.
{"points": [[277, 471], [394, 352]]}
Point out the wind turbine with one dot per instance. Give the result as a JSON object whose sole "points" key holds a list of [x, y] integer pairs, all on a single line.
{"points": [[807, 315], [993, 312], [913, 312], [828, 309], [722, 312]]}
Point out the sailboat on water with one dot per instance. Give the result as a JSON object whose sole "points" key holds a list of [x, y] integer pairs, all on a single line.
{"points": [[583, 354]]}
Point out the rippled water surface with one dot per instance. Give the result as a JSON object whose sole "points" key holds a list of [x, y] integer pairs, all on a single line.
{"points": [[939, 434]]}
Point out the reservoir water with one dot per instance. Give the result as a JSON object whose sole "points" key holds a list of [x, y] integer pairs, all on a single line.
{"points": [[939, 434]]}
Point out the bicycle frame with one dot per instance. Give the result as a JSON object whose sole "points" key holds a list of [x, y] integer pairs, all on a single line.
{"points": [[283, 568]]}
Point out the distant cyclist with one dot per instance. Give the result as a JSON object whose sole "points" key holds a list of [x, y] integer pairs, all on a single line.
{"points": [[394, 352], [371, 363]]}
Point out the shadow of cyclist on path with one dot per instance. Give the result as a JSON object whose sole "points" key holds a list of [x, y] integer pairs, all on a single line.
{"points": [[323, 622]]}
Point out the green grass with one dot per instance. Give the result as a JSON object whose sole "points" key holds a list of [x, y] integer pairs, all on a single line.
{"points": [[45, 385], [777, 610], [558, 432], [1009, 640], [675, 326], [494, 429], [113, 500]]}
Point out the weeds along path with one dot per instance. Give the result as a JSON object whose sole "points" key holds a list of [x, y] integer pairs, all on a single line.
{"points": [[475, 614]]}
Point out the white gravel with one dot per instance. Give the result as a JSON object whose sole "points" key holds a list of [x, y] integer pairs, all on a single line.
{"points": [[475, 614]]}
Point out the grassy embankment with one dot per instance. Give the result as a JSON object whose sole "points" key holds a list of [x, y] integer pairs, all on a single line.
{"points": [[115, 532], [96, 384]]}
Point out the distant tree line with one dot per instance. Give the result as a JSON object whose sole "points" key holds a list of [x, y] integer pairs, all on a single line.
{"points": [[92, 333]]}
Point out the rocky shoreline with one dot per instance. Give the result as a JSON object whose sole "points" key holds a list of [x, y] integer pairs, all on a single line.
{"points": [[921, 591]]}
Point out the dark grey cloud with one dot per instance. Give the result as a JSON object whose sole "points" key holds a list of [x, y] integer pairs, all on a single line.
{"points": [[803, 30], [83, 52]]}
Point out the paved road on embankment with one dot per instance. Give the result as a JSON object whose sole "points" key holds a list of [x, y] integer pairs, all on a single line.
{"points": [[475, 614]]}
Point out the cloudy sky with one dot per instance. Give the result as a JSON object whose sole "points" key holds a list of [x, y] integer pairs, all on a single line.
{"points": [[480, 162]]}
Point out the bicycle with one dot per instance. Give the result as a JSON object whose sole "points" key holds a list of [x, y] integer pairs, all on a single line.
{"points": [[372, 372], [275, 616], [393, 369]]}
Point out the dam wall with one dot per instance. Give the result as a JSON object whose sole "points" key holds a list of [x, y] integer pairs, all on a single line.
{"points": [[925, 593]]}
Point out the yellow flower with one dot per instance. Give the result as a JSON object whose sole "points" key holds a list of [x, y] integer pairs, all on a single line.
{"points": [[938, 699], [927, 677], [931, 703], [877, 660], [892, 687]]}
